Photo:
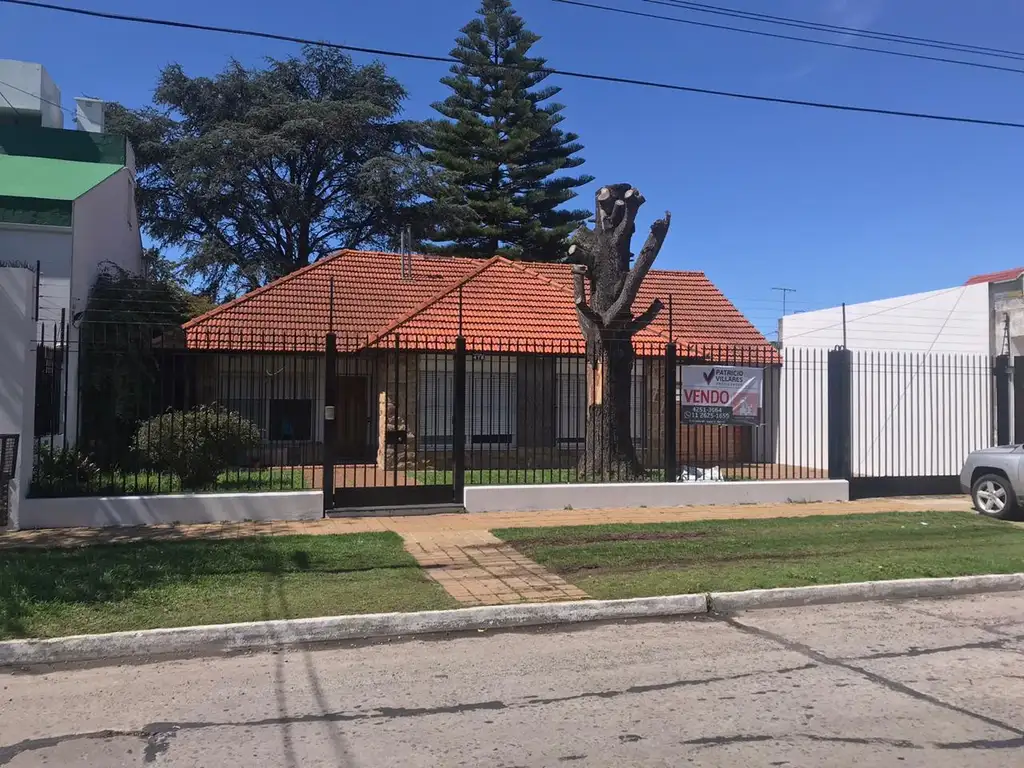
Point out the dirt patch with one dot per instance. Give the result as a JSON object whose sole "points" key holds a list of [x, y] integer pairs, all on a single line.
{"points": [[599, 538]]}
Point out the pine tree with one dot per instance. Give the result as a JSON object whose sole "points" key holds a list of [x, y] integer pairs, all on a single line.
{"points": [[501, 150]]}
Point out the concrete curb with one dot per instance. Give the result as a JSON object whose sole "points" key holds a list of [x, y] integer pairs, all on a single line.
{"points": [[899, 589], [275, 634]]}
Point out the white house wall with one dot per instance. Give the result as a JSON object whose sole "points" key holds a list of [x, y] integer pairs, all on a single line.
{"points": [[17, 374], [950, 320], [50, 247], [105, 229]]}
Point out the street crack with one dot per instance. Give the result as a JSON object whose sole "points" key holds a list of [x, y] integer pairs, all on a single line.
{"points": [[156, 735], [885, 682]]}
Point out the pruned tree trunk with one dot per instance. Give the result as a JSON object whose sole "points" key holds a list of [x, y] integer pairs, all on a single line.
{"points": [[602, 257]]}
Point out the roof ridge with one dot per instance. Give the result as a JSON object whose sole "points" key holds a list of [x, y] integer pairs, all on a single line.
{"points": [[422, 307], [264, 288], [522, 266]]}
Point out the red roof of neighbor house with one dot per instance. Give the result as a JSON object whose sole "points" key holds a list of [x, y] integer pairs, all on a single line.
{"points": [[996, 277], [502, 305]]}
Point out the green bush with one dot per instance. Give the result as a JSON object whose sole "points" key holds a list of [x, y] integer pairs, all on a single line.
{"points": [[62, 471], [196, 445]]}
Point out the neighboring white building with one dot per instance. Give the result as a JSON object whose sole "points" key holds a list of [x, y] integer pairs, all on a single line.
{"points": [[922, 382], [67, 205], [67, 198], [951, 320]]}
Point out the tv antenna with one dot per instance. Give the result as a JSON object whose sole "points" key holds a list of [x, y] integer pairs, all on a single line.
{"points": [[785, 292]]}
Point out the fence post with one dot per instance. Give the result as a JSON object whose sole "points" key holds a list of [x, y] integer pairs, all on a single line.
{"points": [[1002, 373], [459, 421], [1018, 400], [671, 414], [330, 419], [840, 414]]}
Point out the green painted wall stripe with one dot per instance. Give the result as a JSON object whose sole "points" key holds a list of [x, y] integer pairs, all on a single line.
{"points": [[29, 210], [60, 144]]}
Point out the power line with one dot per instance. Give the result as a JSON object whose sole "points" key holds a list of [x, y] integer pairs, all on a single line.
{"points": [[778, 36], [9, 101], [767, 18], [546, 70]]}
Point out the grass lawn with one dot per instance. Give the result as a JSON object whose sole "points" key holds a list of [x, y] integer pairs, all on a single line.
{"points": [[149, 483], [142, 585], [619, 561]]}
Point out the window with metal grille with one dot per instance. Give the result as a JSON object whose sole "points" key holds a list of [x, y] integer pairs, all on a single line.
{"points": [[490, 401], [572, 402], [291, 420]]}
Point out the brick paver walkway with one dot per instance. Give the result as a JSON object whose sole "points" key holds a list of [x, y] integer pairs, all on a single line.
{"points": [[477, 568], [460, 552]]}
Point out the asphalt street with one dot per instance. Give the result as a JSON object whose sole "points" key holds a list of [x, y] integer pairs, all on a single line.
{"points": [[923, 683]]}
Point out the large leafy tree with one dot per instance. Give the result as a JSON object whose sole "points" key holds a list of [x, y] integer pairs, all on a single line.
{"points": [[257, 172], [502, 148]]}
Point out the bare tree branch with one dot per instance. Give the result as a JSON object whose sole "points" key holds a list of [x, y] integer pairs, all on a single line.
{"points": [[649, 315], [579, 292], [579, 249], [644, 262]]}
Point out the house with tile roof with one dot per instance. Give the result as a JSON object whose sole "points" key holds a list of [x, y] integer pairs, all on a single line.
{"points": [[396, 319]]}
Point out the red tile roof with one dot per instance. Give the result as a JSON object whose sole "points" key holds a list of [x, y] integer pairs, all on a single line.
{"points": [[502, 304], [996, 277]]}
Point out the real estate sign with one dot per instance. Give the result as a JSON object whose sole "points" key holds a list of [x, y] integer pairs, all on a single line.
{"points": [[720, 394]]}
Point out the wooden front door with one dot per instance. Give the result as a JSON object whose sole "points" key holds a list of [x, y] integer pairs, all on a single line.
{"points": [[353, 418]]}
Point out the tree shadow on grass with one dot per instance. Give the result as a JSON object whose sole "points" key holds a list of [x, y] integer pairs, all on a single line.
{"points": [[110, 573]]}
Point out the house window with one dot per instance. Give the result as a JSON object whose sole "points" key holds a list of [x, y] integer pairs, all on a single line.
{"points": [[571, 383], [639, 404], [291, 419], [491, 407], [490, 401], [572, 402], [435, 407]]}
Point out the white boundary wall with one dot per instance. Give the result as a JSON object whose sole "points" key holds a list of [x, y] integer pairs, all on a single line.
{"points": [[116, 511], [532, 498]]}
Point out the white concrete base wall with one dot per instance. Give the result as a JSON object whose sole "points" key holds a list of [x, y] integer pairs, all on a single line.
{"points": [[529, 498], [114, 511]]}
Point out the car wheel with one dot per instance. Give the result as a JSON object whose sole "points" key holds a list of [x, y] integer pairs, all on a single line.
{"points": [[994, 497]]}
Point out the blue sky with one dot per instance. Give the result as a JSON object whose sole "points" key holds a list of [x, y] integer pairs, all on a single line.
{"points": [[840, 207]]}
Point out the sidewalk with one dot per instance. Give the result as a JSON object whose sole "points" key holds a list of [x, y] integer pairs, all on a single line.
{"points": [[459, 551], [449, 526]]}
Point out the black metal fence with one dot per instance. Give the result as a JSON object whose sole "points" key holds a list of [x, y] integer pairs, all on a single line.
{"points": [[406, 419], [123, 410], [450, 412]]}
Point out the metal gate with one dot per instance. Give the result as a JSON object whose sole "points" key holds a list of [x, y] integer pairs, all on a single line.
{"points": [[902, 423], [393, 423]]}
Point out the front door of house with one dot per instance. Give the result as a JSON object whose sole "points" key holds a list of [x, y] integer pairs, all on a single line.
{"points": [[353, 418]]}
